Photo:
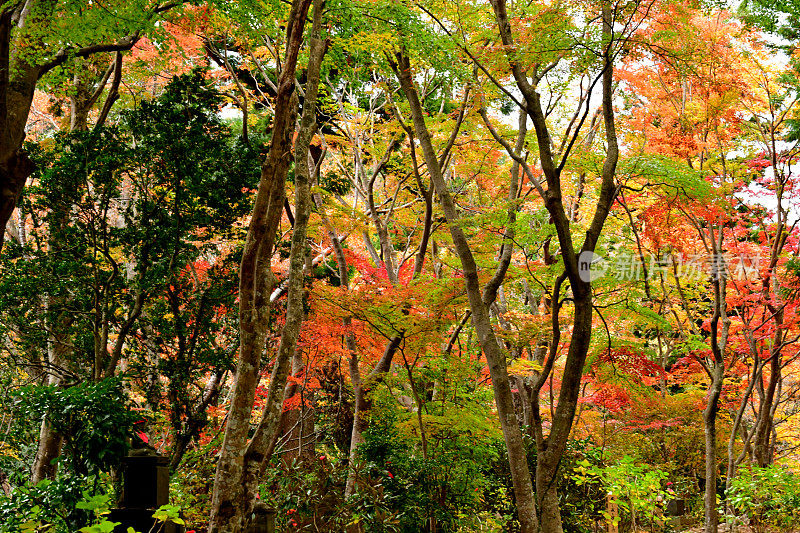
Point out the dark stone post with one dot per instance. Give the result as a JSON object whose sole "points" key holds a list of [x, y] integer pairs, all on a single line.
{"points": [[145, 488], [676, 507], [676, 511], [263, 519]]}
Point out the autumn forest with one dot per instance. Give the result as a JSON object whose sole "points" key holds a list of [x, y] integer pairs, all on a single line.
{"points": [[399, 266]]}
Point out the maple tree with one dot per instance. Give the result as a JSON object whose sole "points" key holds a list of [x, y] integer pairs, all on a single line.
{"points": [[698, 121], [400, 266]]}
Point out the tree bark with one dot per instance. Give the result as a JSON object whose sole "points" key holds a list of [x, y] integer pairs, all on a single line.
{"points": [[523, 487], [49, 448], [16, 96], [262, 444], [733, 459], [58, 353], [240, 465], [256, 281], [762, 451], [551, 449], [764, 422], [710, 422], [720, 325]]}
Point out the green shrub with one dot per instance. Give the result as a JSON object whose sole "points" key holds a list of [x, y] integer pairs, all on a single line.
{"points": [[765, 497], [93, 419], [637, 488], [95, 423]]}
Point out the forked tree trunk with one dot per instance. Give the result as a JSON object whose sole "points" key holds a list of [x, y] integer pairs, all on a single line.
{"points": [[523, 487], [241, 465], [738, 426], [763, 451], [15, 167], [765, 421], [256, 282], [267, 432], [710, 422], [362, 386], [551, 449], [58, 353]]}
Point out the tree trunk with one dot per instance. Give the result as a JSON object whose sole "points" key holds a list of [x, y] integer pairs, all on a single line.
{"points": [[360, 411], [240, 465], [196, 420], [58, 352], [361, 386], [361, 390], [49, 448], [550, 510], [60, 343], [719, 326], [15, 105], [263, 442], [710, 421], [15, 168], [523, 488], [764, 422], [551, 449], [256, 282], [733, 459]]}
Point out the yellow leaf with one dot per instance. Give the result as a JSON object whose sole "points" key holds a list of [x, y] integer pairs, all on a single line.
{"points": [[523, 367]]}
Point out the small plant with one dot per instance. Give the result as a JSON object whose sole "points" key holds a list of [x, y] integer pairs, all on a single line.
{"points": [[764, 498], [167, 514], [34, 524], [98, 505], [636, 489]]}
